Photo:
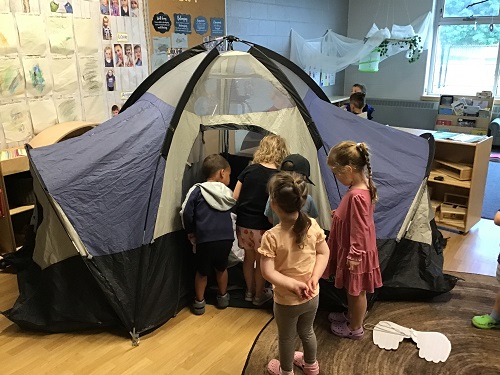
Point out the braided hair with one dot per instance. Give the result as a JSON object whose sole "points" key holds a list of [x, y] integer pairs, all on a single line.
{"points": [[288, 190], [356, 155]]}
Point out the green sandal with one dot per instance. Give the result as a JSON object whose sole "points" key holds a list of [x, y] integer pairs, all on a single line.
{"points": [[485, 322]]}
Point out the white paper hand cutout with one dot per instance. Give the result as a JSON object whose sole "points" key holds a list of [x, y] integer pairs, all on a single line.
{"points": [[433, 346]]}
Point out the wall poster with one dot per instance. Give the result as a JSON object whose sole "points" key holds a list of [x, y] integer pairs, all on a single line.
{"points": [[176, 25]]}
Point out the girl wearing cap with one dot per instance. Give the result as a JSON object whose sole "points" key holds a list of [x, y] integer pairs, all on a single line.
{"points": [[299, 164]]}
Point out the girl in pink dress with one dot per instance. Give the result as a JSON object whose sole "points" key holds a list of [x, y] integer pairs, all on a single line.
{"points": [[352, 241]]}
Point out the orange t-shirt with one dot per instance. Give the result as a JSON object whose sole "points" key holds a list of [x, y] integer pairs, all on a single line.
{"points": [[290, 260]]}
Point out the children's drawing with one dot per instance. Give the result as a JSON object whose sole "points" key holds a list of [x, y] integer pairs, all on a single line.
{"points": [[85, 36], [24, 6], [90, 78], [4, 8], [11, 78], [68, 110], [64, 75], [95, 108], [61, 6], [60, 31], [32, 37], [38, 78], [43, 114], [8, 35], [16, 122]]}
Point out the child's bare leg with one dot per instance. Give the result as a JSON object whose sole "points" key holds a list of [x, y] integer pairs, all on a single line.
{"points": [[248, 269], [357, 310], [221, 281], [260, 282], [200, 284]]}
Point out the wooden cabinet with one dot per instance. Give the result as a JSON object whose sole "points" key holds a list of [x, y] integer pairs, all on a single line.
{"points": [[457, 182], [16, 201], [16, 184]]}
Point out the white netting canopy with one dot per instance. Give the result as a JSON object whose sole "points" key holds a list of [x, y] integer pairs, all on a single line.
{"points": [[333, 52]]}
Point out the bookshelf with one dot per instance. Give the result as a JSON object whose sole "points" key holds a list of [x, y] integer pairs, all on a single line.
{"points": [[17, 200], [457, 182], [473, 119]]}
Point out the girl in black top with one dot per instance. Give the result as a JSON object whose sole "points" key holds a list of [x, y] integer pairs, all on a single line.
{"points": [[251, 223]]}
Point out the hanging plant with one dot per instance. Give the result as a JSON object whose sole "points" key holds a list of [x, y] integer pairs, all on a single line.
{"points": [[412, 43]]}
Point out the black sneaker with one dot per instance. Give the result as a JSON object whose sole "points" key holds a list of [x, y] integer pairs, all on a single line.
{"points": [[198, 307]]}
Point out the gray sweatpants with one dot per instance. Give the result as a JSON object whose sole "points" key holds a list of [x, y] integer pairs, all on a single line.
{"points": [[293, 319]]}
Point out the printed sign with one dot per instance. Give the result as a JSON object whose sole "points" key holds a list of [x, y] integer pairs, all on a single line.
{"points": [[217, 26], [122, 37], [182, 23], [200, 25], [161, 22]]}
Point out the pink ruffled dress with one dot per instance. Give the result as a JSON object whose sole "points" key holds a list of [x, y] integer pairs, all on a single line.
{"points": [[352, 236]]}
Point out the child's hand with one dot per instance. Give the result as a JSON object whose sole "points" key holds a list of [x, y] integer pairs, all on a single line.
{"points": [[332, 213], [192, 238], [312, 284], [299, 288], [352, 265]]}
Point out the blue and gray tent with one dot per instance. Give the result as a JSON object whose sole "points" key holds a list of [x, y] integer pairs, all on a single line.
{"points": [[107, 243]]}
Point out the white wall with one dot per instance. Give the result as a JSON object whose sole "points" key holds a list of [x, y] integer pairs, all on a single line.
{"points": [[396, 78], [268, 23]]}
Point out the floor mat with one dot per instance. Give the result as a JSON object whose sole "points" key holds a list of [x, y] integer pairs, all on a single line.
{"points": [[491, 202]]}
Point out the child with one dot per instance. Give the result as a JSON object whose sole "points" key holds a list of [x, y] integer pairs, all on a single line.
{"points": [[357, 103], [110, 80], [106, 30], [114, 8], [295, 163], [206, 216], [352, 241], [124, 8], [294, 256], [492, 320], [104, 7], [129, 59], [251, 223], [115, 110], [138, 55], [358, 87], [108, 57], [134, 8]]}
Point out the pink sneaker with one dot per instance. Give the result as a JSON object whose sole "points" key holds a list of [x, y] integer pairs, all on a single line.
{"points": [[343, 330], [274, 368], [308, 369], [338, 317]]}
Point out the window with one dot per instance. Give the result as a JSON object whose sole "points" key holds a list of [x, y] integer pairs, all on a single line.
{"points": [[465, 56]]}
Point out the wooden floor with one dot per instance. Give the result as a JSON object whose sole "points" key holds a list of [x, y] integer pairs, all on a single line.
{"points": [[215, 343]]}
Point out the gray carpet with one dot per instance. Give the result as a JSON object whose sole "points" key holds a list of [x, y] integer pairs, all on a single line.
{"points": [[473, 351], [491, 202]]}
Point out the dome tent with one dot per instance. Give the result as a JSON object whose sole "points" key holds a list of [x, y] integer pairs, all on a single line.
{"points": [[108, 245]]}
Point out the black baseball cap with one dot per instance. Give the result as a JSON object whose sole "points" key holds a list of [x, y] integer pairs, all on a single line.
{"points": [[297, 163]]}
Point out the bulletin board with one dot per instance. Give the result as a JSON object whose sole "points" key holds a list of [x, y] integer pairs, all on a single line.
{"points": [[176, 25], [54, 66]]}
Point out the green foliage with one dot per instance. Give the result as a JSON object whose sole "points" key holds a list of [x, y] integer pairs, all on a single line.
{"points": [[413, 43]]}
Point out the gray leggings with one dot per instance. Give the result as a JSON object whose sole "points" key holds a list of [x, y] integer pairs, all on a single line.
{"points": [[293, 319]]}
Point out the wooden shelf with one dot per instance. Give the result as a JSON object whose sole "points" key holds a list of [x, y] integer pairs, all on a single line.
{"points": [[21, 209], [447, 180]]}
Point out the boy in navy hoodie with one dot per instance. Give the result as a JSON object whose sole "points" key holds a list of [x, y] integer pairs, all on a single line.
{"points": [[206, 217]]}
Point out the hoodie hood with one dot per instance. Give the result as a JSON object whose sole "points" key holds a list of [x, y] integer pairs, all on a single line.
{"points": [[217, 195]]}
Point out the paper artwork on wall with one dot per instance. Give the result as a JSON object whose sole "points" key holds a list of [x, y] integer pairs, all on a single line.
{"points": [[90, 77], [8, 35], [32, 37], [60, 31], [43, 114], [38, 76], [68, 109], [4, 6], [16, 121], [86, 36], [95, 108], [64, 75], [179, 40], [11, 78], [24, 6]]}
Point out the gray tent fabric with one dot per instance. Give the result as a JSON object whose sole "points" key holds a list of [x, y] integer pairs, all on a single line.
{"points": [[399, 161], [107, 195]]}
